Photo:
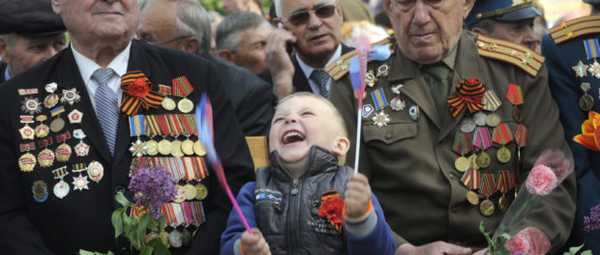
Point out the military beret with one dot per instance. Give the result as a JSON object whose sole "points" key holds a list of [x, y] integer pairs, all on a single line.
{"points": [[30, 18], [501, 10]]}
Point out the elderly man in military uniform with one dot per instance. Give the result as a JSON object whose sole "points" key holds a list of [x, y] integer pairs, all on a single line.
{"points": [[509, 20], [30, 33], [572, 53], [452, 123], [74, 128]]}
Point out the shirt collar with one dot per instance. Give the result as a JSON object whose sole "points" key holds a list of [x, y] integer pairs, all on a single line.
{"points": [[307, 70], [87, 67], [7, 73]]}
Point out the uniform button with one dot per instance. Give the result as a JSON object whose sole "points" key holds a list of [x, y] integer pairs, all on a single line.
{"points": [[388, 135]]}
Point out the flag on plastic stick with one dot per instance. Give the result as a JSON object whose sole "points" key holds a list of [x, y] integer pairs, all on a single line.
{"points": [[358, 73], [204, 120]]}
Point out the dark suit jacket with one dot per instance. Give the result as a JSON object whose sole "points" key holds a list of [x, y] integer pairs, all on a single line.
{"points": [[2, 70], [251, 97], [82, 220], [300, 80], [565, 88]]}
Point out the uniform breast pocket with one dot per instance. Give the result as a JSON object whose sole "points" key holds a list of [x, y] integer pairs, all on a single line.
{"points": [[269, 217], [392, 133]]}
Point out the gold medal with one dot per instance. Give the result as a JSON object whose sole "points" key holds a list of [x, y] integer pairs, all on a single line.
{"points": [[586, 103], [201, 191], [180, 196], [63, 152], [487, 208], [503, 154], [462, 164], [483, 160], [493, 120], [185, 105], [189, 192], [199, 149], [152, 148], [473, 160], [164, 147], [95, 171], [27, 133], [187, 147], [503, 203], [57, 125], [176, 149], [168, 104], [472, 197], [42, 130], [46, 158], [51, 100], [27, 162]]}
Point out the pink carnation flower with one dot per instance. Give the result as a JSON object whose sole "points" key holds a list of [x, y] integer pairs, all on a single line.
{"points": [[529, 241], [541, 180]]}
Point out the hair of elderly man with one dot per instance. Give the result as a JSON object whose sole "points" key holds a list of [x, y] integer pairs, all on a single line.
{"points": [[230, 29], [487, 25], [191, 19]]}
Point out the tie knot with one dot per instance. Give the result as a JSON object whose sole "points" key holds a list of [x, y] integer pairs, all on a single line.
{"points": [[102, 75], [320, 77]]}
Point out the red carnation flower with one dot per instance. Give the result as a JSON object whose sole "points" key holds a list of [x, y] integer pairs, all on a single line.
{"points": [[138, 88], [332, 209]]}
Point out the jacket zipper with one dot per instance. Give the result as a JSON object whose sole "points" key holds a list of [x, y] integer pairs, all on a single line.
{"points": [[293, 234]]}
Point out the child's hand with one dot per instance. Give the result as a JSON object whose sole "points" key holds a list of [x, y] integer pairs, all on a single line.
{"points": [[358, 195], [253, 243]]}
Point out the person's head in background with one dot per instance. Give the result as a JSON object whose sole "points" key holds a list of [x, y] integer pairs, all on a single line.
{"points": [[595, 6], [232, 6], [30, 33], [179, 24], [316, 24], [509, 20], [241, 39]]}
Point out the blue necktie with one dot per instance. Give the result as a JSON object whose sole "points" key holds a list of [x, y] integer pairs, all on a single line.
{"points": [[107, 106], [321, 78]]}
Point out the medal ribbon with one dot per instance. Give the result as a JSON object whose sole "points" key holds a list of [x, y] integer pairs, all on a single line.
{"points": [[491, 102], [462, 143], [514, 94], [27, 92], [471, 179], [25, 147], [165, 129], [488, 185], [188, 123], [179, 218], [153, 128], [182, 87], [469, 95], [166, 211], [63, 137], [174, 125], [503, 184], [57, 111], [502, 134], [164, 90], [26, 119], [198, 210], [521, 135], [482, 139], [138, 93], [43, 143], [379, 99], [592, 48], [137, 125]]}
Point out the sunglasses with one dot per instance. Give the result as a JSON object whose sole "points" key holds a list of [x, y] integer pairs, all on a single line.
{"points": [[303, 16]]}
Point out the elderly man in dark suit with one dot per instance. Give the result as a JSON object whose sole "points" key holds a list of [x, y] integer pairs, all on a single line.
{"points": [[67, 128]]}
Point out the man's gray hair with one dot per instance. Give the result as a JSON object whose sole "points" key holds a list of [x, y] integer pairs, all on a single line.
{"points": [[191, 19], [230, 29]]}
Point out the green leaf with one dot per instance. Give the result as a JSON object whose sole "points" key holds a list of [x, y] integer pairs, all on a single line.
{"points": [[117, 221], [159, 247], [122, 200], [146, 250], [587, 252], [84, 252]]}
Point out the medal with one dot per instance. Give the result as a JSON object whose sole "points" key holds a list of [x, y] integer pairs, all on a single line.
{"points": [[75, 117], [42, 130], [51, 87], [199, 149], [57, 125], [80, 183], [580, 69], [61, 189], [467, 125], [187, 147], [63, 152], [46, 158], [396, 89], [381, 119], [164, 147], [370, 79], [180, 195], [483, 159], [51, 100], [70, 96], [168, 104], [27, 162], [586, 101], [31, 105], [487, 189], [462, 164], [182, 87], [480, 119], [473, 160], [185, 105], [40, 191], [367, 110], [397, 104], [383, 70], [472, 197], [81, 149], [502, 136], [514, 95], [503, 155], [379, 99], [503, 203], [493, 119], [175, 239], [190, 192], [503, 187], [27, 133], [487, 208], [152, 148], [594, 69], [201, 191], [176, 149], [95, 171], [521, 135], [471, 180], [482, 139], [462, 145], [491, 101], [138, 148], [413, 112]]}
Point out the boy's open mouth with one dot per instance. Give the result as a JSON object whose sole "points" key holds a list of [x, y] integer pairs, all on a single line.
{"points": [[292, 136]]}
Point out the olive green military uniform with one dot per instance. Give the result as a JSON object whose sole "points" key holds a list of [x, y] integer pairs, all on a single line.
{"points": [[407, 143]]}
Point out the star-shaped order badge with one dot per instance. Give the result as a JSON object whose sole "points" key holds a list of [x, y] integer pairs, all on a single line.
{"points": [[594, 69], [381, 119], [80, 183], [580, 69]]}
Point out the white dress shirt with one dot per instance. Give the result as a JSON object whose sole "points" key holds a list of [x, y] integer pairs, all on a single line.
{"points": [[307, 70]]}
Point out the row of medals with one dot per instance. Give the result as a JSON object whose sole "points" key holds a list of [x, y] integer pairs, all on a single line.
{"points": [[42, 136], [192, 191], [586, 101]]}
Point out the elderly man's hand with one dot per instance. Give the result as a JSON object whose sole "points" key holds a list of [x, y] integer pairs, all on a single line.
{"points": [[435, 248], [253, 243], [357, 197], [279, 61]]}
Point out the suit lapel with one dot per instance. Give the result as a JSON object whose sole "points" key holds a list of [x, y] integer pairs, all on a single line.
{"points": [[300, 80], [68, 76]]}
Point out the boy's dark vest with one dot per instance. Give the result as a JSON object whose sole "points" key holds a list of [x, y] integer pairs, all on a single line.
{"points": [[287, 210]]}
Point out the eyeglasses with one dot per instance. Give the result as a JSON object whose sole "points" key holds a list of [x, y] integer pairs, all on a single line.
{"points": [[303, 16]]}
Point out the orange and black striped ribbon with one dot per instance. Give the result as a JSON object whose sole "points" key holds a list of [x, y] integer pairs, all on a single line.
{"points": [[468, 96], [471, 179], [132, 103]]}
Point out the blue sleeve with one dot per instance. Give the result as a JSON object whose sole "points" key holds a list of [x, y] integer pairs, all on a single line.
{"points": [[235, 228], [379, 241]]}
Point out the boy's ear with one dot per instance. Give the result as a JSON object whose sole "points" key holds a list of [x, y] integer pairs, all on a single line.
{"points": [[341, 147]]}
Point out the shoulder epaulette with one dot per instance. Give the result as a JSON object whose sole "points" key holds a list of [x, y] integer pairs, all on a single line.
{"points": [[575, 28], [340, 67], [522, 57]]}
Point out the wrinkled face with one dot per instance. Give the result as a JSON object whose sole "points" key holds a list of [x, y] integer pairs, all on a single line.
{"points": [[235, 5], [426, 30], [25, 52], [251, 52], [298, 124], [316, 24], [520, 32], [98, 20], [157, 24]]}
